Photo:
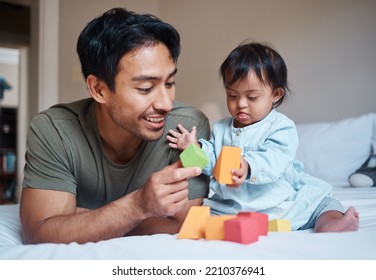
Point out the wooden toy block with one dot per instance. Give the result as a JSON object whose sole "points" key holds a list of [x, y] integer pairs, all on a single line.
{"points": [[279, 225], [261, 219], [228, 159], [193, 156], [194, 224], [214, 229], [241, 229]]}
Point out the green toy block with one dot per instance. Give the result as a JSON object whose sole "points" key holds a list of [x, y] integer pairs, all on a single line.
{"points": [[193, 156]]}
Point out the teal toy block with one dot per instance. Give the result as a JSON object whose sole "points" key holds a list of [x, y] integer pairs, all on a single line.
{"points": [[193, 156]]}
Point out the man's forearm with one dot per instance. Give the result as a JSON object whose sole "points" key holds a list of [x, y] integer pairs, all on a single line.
{"points": [[110, 221]]}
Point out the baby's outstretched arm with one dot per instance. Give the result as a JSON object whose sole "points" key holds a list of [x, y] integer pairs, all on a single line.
{"points": [[182, 140]]}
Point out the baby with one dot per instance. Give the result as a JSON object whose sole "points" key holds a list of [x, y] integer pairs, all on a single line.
{"points": [[270, 179]]}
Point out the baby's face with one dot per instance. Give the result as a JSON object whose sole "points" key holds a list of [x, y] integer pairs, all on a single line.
{"points": [[249, 100]]}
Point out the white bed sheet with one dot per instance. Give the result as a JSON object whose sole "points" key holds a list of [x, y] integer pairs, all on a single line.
{"points": [[303, 245]]}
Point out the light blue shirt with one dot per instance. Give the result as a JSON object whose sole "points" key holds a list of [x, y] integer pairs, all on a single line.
{"points": [[277, 184]]}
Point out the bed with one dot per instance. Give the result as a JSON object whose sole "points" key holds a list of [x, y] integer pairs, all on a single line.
{"points": [[331, 151]]}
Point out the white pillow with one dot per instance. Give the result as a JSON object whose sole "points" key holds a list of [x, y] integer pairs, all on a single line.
{"points": [[333, 151]]}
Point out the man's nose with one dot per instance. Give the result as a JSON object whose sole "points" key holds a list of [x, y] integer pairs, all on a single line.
{"points": [[164, 100]]}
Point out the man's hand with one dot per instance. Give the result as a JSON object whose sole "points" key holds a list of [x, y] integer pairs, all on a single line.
{"points": [[166, 191]]}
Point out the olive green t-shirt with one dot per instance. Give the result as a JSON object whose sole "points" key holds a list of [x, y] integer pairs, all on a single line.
{"points": [[64, 153]]}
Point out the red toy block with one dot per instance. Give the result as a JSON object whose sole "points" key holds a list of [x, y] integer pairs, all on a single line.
{"points": [[242, 229], [262, 220], [228, 159]]}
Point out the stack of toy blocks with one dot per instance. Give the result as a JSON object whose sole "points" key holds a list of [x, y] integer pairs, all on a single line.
{"points": [[245, 228]]}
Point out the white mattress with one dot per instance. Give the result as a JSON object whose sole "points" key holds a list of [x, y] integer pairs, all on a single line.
{"points": [[303, 245]]}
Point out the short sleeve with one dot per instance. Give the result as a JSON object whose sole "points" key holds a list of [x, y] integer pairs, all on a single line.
{"points": [[47, 166]]}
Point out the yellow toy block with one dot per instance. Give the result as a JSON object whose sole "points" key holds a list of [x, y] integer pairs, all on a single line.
{"points": [[194, 224], [279, 225], [228, 159], [214, 229]]}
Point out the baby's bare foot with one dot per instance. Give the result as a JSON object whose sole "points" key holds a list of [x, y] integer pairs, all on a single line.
{"points": [[350, 221], [346, 222]]}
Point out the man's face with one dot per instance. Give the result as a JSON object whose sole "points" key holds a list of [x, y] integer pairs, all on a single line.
{"points": [[144, 92]]}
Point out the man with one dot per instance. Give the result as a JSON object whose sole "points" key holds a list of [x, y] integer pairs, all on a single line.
{"points": [[101, 168]]}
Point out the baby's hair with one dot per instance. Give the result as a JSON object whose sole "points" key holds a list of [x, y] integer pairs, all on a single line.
{"points": [[260, 58]]}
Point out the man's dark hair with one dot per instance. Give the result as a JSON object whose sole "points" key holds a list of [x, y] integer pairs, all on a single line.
{"points": [[107, 38]]}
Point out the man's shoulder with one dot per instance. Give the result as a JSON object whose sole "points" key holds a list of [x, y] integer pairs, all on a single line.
{"points": [[183, 110], [62, 116], [71, 110]]}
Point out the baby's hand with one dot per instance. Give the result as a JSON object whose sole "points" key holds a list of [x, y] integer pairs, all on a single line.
{"points": [[239, 175], [182, 140]]}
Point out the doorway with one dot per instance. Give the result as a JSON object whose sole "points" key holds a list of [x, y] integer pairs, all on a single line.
{"points": [[14, 70]]}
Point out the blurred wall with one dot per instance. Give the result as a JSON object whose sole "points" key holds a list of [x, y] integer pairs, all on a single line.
{"points": [[329, 48], [9, 59]]}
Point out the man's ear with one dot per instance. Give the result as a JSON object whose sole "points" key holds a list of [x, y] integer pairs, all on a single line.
{"points": [[96, 88], [278, 94]]}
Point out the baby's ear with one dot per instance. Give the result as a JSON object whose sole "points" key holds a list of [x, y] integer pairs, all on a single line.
{"points": [[278, 94]]}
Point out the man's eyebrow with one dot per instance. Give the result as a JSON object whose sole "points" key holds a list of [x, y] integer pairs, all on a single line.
{"points": [[173, 73], [148, 78]]}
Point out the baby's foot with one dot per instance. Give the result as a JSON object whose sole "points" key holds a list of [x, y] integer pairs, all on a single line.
{"points": [[348, 222]]}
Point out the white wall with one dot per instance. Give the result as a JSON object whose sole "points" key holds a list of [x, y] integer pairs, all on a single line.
{"points": [[329, 47]]}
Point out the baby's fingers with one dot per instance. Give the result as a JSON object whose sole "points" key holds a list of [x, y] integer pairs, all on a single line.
{"points": [[173, 133], [182, 129], [237, 172]]}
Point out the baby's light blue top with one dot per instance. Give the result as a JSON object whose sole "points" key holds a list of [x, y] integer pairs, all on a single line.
{"points": [[276, 184]]}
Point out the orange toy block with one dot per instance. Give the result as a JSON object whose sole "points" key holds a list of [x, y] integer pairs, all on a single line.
{"points": [[228, 159], [261, 219], [242, 229], [214, 229], [194, 224], [279, 225]]}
